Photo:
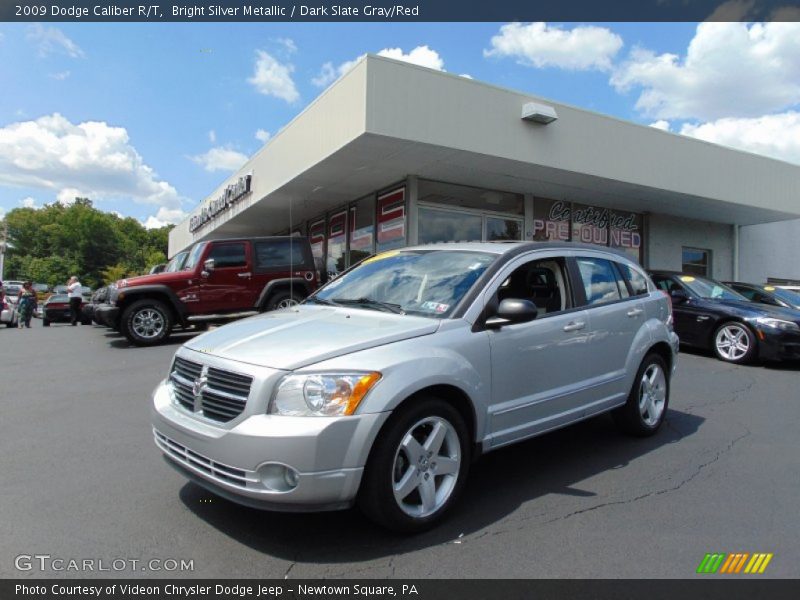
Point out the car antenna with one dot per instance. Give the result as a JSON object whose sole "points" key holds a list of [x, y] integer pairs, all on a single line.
{"points": [[291, 253]]}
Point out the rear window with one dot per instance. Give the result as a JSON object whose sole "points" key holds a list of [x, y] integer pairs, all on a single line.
{"points": [[636, 279], [275, 254], [64, 299], [600, 281]]}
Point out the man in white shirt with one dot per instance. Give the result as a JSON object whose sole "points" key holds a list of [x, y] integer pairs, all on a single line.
{"points": [[75, 298]]}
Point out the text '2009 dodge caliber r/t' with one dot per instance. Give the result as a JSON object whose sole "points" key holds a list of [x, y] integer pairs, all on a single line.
{"points": [[382, 387]]}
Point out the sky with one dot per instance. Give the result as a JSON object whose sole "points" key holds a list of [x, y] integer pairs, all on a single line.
{"points": [[148, 119]]}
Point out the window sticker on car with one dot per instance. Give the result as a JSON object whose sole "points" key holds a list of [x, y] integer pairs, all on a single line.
{"points": [[687, 278], [378, 257], [435, 307]]}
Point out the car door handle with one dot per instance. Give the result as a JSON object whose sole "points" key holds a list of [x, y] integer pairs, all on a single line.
{"points": [[243, 275], [635, 312], [703, 318], [574, 325]]}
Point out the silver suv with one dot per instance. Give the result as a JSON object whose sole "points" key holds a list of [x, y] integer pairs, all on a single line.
{"points": [[383, 386]]}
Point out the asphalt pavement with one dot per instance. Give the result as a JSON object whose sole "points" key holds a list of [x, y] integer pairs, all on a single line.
{"points": [[83, 480]]}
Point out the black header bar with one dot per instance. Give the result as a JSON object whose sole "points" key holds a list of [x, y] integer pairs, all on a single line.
{"points": [[397, 10]]}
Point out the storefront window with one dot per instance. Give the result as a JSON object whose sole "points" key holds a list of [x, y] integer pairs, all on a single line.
{"points": [[551, 220], [362, 229], [391, 220], [448, 226], [696, 261], [337, 243], [461, 196], [590, 224], [498, 228], [626, 233], [316, 235]]}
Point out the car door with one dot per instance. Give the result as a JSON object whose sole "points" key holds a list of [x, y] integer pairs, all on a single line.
{"points": [[615, 317], [538, 367], [225, 288]]}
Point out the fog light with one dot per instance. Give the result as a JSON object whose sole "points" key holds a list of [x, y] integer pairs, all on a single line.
{"points": [[278, 478]]}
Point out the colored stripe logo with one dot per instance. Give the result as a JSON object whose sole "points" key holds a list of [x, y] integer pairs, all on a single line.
{"points": [[738, 562]]}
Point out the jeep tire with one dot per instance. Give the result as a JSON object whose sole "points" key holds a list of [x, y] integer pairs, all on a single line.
{"points": [[146, 322]]}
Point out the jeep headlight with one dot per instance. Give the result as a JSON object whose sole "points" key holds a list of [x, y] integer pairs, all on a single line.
{"points": [[779, 324], [321, 394]]}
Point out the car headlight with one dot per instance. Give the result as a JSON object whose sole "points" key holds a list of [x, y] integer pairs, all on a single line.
{"points": [[778, 324], [321, 394]]}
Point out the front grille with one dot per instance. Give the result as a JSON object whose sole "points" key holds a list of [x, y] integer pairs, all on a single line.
{"points": [[222, 398], [198, 462]]}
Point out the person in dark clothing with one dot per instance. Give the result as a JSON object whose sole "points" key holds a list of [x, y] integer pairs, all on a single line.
{"points": [[26, 303]]}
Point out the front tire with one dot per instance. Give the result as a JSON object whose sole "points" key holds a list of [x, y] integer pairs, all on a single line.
{"points": [[146, 322], [644, 412], [734, 343], [417, 467]]}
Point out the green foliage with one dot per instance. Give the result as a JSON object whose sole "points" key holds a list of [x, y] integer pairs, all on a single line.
{"points": [[51, 243]]}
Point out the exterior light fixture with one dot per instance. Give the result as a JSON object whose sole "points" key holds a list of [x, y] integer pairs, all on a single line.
{"points": [[539, 113]]}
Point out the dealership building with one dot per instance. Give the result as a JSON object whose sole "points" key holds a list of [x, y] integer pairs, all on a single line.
{"points": [[393, 154]]}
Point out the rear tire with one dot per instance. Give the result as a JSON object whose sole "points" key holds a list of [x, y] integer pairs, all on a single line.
{"points": [[417, 467], [644, 412], [283, 299], [146, 322]]}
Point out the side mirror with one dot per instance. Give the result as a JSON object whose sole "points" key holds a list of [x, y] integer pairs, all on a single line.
{"points": [[208, 266], [512, 310], [679, 296]]}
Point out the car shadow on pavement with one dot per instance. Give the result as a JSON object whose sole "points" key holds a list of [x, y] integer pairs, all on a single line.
{"points": [[498, 484], [119, 341], [786, 365]]}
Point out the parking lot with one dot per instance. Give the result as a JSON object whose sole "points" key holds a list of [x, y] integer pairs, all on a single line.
{"points": [[82, 479]]}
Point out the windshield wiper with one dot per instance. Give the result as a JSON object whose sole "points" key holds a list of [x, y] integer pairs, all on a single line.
{"points": [[370, 303], [321, 301]]}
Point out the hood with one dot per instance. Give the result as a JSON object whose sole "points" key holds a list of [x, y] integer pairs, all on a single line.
{"points": [[157, 278], [755, 309], [304, 335]]}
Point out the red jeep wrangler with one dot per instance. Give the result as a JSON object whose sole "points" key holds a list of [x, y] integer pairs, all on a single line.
{"points": [[219, 280]]}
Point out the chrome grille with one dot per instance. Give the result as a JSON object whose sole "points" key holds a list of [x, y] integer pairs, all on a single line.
{"points": [[223, 397], [189, 458]]}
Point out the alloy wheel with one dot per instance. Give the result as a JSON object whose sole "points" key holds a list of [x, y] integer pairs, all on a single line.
{"points": [[286, 303], [652, 394], [148, 323], [732, 342], [426, 467]]}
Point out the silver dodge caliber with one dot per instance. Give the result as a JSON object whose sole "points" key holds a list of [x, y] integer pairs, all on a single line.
{"points": [[382, 387]]}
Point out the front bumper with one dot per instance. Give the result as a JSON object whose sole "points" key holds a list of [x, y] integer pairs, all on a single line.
{"points": [[239, 463], [778, 345], [107, 314]]}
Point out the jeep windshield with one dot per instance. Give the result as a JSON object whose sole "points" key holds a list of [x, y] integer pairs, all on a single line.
{"points": [[430, 283], [194, 255], [177, 262]]}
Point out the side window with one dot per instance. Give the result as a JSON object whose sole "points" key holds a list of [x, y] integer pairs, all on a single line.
{"points": [[635, 278], [600, 281], [228, 255], [275, 254], [543, 282]]}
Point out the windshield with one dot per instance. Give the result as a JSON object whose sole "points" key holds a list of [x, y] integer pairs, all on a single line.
{"points": [[423, 282], [177, 262], [194, 255], [709, 289], [787, 296]]}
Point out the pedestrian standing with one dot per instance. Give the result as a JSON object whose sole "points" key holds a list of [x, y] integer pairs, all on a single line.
{"points": [[75, 299], [26, 303]]}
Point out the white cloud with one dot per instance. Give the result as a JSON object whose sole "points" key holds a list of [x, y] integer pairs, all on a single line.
{"points": [[212, 136], [776, 135], [28, 202], [61, 76], [273, 78], [163, 217], [51, 39], [730, 70], [467, 76], [541, 45], [288, 44], [661, 124], [91, 159], [421, 55], [262, 135], [221, 158]]}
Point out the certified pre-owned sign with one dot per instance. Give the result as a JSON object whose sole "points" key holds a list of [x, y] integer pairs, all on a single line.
{"points": [[232, 194]]}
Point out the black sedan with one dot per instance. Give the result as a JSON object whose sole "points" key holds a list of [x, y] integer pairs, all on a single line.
{"points": [[710, 315], [56, 308], [767, 294]]}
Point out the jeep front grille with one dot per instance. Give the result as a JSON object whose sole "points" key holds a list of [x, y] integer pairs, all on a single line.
{"points": [[222, 397]]}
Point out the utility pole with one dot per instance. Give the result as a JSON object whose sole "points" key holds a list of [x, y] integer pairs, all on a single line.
{"points": [[3, 246]]}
